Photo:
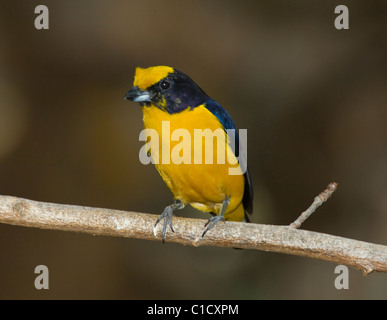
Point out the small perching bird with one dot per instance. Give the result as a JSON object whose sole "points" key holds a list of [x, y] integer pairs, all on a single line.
{"points": [[196, 147]]}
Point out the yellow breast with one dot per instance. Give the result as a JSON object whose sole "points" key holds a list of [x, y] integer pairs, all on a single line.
{"points": [[183, 155]]}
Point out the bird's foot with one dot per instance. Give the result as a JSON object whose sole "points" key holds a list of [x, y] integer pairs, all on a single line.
{"points": [[220, 217], [211, 222], [167, 216]]}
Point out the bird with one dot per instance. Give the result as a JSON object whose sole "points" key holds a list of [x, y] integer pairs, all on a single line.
{"points": [[171, 99]]}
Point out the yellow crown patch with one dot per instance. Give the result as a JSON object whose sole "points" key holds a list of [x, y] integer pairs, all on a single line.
{"points": [[144, 78]]}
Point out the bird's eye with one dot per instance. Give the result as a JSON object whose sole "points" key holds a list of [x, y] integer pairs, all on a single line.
{"points": [[164, 85]]}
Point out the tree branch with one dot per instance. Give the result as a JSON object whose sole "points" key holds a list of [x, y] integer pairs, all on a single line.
{"points": [[364, 256], [318, 201]]}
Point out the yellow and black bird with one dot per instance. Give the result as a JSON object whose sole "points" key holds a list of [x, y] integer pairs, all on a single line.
{"points": [[168, 96]]}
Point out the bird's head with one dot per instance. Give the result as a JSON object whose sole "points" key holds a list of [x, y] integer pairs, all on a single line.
{"points": [[166, 88]]}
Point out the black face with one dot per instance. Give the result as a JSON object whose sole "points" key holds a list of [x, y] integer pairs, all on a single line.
{"points": [[177, 92]]}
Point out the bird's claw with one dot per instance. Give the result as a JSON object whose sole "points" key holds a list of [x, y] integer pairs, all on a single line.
{"points": [[167, 216], [211, 222]]}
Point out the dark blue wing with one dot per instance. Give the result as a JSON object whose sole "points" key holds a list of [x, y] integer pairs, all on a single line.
{"points": [[225, 119]]}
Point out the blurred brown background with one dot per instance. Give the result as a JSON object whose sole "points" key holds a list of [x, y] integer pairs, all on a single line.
{"points": [[312, 98]]}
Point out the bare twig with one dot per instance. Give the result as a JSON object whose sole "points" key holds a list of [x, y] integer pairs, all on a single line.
{"points": [[366, 257], [318, 201]]}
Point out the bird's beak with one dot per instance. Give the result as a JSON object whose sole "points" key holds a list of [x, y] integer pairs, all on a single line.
{"points": [[137, 95]]}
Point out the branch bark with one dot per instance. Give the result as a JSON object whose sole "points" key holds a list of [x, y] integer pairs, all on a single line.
{"points": [[364, 256]]}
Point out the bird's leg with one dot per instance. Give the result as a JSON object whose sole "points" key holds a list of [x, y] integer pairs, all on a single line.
{"points": [[167, 216], [220, 217]]}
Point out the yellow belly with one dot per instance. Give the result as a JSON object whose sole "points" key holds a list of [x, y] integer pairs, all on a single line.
{"points": [[195, 182]]}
